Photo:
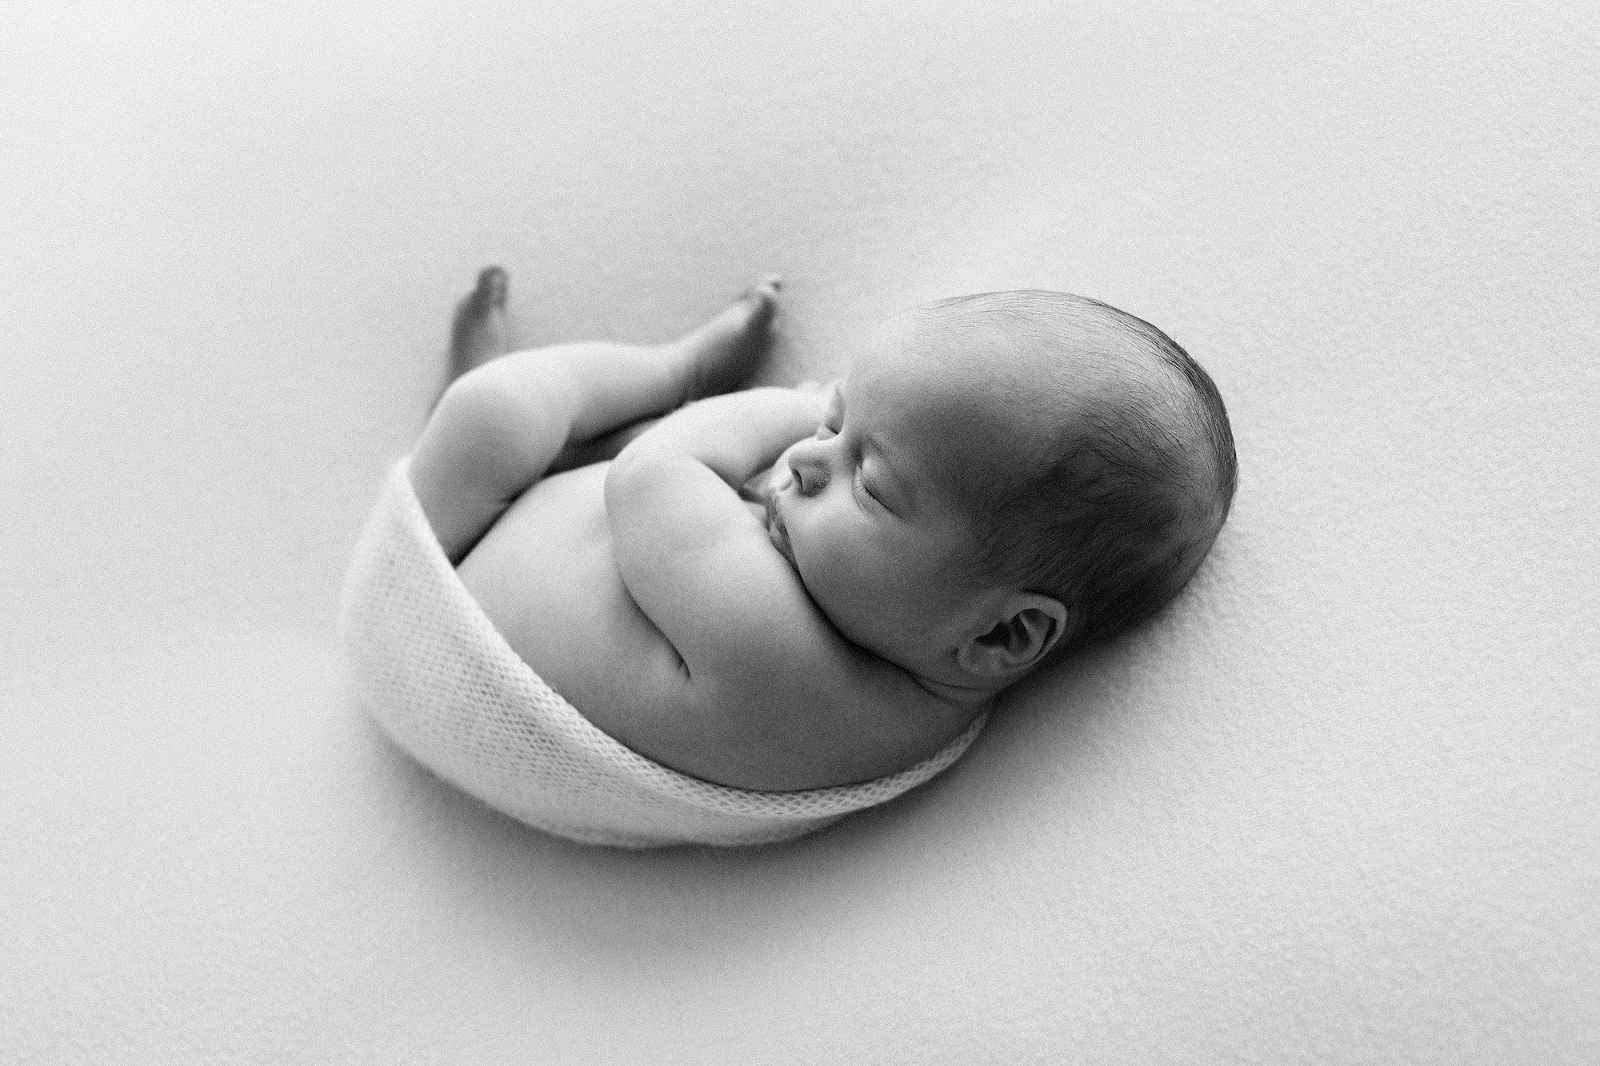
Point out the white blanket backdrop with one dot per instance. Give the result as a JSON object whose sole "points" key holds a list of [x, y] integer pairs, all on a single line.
{"points": [[1338, 805]]}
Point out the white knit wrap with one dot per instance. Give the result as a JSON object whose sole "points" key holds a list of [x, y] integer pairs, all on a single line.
{"points": [[430, 667]]}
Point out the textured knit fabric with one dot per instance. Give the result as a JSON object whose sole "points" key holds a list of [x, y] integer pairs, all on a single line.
{"points": [[430, 667]]}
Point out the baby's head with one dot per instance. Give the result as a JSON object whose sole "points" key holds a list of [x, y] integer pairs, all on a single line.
{"points": [[1001, 478]]}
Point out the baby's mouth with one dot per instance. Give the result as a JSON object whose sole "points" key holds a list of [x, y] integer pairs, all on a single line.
{"points": [[776, 530]]}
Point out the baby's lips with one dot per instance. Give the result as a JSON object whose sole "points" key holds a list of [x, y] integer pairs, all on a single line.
{"points": [[778, 532]]}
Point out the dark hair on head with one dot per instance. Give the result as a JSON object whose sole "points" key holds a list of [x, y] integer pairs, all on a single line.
{"points": [[1122, 500]]}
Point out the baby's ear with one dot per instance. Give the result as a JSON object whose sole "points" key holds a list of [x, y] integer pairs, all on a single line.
{"points": [[1029, 626]]}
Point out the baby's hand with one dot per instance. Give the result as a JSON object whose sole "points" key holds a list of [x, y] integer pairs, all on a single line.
{"points": [[820, 386]]}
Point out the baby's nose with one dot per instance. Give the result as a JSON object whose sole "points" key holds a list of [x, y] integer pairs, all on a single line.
{"points": [[809, 468]]}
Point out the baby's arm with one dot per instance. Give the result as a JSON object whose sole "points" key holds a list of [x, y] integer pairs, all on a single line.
{"points": [[768, 694], [692, 555], [735, 436]]}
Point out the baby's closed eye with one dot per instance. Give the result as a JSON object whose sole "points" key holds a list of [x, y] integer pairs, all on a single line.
{"points": [[865, 489]]}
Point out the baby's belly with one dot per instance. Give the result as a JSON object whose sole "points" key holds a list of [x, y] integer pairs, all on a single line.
{"points": [[546, 577]]}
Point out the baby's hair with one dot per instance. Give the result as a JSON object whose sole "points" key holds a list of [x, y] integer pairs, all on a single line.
{"points": [[1114, 509]]}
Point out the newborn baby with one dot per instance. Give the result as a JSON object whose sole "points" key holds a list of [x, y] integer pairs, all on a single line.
{"points": [[783, 602]]}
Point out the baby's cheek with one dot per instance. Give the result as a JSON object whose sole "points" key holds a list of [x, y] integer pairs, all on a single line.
{"points": [[854, 572]]}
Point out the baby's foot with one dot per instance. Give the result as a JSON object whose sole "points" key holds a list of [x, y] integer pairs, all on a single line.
{"points": [[721, 354], [481, 331]]}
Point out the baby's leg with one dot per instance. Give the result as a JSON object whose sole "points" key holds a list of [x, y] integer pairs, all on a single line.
{"points": [[505, 424], [620, 383], [711, 360]]}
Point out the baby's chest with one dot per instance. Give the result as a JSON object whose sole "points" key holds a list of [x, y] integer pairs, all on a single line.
{"points": [[546, 577]]}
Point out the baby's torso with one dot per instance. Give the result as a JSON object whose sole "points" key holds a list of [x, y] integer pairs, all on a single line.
{"points": [[546, 576]]}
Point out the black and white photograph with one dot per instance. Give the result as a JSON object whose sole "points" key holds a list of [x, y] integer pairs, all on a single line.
{"points": [[683, 533]]}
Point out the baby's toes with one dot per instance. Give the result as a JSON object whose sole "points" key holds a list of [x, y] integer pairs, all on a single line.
{"points": [[481, 331], [493, 282]]}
